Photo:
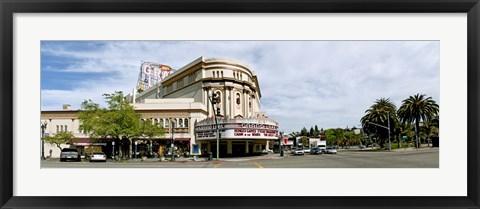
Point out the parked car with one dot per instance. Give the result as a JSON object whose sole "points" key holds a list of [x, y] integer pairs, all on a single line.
{"points": [[168, 153], [316, 151], [98, 156], [361, 146], [70, 154], [306, 149], [298, 151], [331, 150]]}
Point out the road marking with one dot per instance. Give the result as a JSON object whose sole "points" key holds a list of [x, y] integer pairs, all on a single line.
{"points": [[216, 165], [257, 164]]}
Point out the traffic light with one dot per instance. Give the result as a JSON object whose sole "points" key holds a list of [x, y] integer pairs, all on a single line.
{"points": [[218, 110], [214, 99]]}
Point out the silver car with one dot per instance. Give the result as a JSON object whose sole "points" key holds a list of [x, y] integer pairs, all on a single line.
{"points": [[331, 150], [70, 154], [298, 151], [98, 156]]}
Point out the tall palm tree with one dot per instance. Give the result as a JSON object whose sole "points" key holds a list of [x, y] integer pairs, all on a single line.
{"points": [[381, 112], [415, 108]]}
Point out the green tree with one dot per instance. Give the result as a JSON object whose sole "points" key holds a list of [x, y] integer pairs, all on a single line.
{"points": [[150, 129], [304, 132], [311, 133], [381, 112], [118, 121], [330, 136], [304, 141], [416, 108], [60, 138], [335, 136], [429, 129], [316, 132]]}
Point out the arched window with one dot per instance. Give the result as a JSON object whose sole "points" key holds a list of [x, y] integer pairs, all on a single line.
{"points": [[180, 122], [185, 123], [66, 129], [238, 99], [219, 97], [161, 122], [61, 128], [167, 123], [58, 129]]}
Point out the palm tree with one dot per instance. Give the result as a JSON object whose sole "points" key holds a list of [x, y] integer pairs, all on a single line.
{"points": [[381, 112], [415, 108]]}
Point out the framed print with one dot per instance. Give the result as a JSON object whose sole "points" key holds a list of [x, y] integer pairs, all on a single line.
{"points": [[263, 104]]}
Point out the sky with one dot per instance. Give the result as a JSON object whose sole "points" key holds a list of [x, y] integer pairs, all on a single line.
{"points": [[303, 83]]}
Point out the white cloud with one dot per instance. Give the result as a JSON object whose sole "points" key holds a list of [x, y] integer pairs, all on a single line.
{"points": [[303, 83]]}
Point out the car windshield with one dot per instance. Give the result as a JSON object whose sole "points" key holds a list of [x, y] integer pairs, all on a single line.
{"points": [[98, 153], [69, 150]]}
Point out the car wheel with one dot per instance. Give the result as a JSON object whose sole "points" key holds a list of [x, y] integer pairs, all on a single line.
{"points": [[62, 160]]}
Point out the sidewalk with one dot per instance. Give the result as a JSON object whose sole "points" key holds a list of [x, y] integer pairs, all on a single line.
{"points": [[204, 159]]}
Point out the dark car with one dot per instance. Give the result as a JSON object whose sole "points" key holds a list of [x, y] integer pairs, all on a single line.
{"points": [[316, 151], [70, 154]]}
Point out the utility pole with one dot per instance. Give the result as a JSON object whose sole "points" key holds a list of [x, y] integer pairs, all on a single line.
{"points": [[213, 100], [389, 145]]}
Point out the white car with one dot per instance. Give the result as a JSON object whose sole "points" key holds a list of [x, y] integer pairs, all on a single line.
{"points": [[331, 150], [98, 156], [298, 151]]}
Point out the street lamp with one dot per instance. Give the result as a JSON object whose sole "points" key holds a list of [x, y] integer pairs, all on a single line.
{"points": [[135, 155], [113, 149], [173, 139], [43, 126], [214, 101], [388, 128]]}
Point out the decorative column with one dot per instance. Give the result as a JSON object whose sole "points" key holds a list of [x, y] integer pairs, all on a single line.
{"points": [[206, 100], [245, 101], [233, 102], [246, 147], [224, 101]]}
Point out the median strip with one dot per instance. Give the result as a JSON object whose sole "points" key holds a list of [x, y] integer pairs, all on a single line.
{"points": [[258, 165]]}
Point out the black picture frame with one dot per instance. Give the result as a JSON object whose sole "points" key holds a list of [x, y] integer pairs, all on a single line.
{"points": [[10, 7]]}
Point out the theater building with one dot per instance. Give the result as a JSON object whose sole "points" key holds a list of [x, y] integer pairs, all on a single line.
{"points": [[179, 100]]}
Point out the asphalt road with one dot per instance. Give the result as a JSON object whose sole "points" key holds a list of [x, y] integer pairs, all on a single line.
{"points": [[422, 158]]}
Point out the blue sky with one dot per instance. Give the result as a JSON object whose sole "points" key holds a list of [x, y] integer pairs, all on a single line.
{"points": [[303, 83]]}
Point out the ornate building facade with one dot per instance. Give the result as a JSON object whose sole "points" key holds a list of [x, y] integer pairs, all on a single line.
{"points": [[181, 103]]}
